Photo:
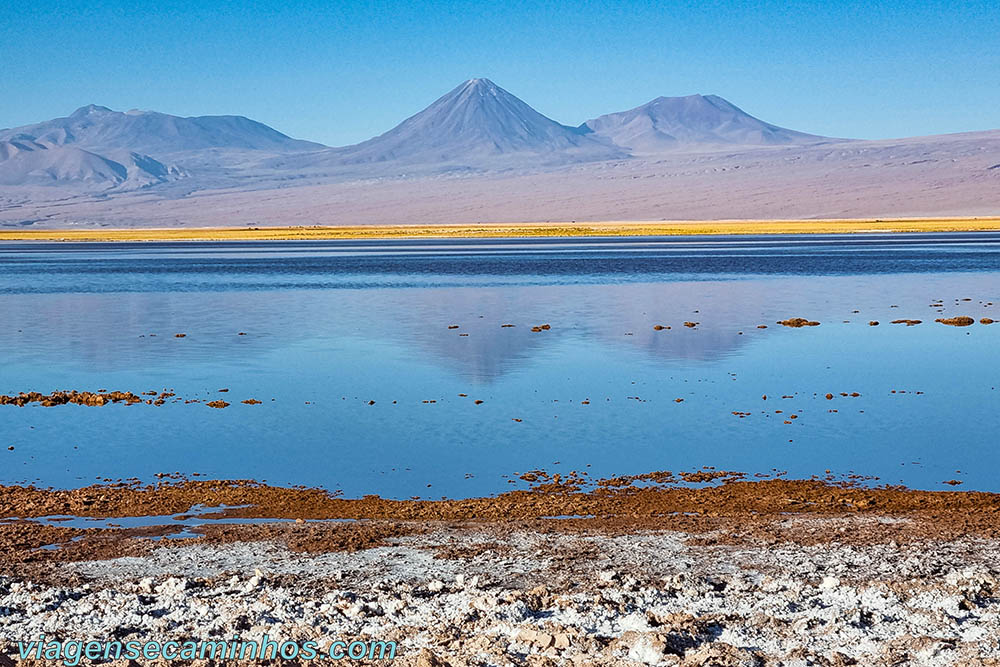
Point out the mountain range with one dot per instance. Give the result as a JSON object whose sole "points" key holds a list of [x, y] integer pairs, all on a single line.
{"points": [[478, 153], [476, 126]]}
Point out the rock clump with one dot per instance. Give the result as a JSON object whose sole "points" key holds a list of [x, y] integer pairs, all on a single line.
{"points": [[796, 322]]}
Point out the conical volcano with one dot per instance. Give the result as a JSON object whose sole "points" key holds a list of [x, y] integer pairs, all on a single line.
{"points": [[478, 123]]}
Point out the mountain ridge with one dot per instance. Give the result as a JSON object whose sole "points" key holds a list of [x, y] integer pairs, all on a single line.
{"points": [[94, 127]]}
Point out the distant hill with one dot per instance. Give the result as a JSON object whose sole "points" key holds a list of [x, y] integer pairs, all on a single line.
{"points": [[477, 124], [99, 129], [669, 123], [95, 149]]}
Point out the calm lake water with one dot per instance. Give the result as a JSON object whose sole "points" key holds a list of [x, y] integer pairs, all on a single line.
{"points": [[332, 326]]}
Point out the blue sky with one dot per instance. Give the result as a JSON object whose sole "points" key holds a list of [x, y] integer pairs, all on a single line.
{"points": [[340, 72]]}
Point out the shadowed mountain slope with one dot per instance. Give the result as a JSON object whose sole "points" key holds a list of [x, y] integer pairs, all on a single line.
{"points": [[31, 163]]}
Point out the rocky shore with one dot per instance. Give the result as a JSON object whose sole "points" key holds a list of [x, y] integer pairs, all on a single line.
{"points": [[630, 572]]}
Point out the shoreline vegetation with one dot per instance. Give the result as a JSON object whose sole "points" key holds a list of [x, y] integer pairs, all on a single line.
{"points": [[510, 230]]}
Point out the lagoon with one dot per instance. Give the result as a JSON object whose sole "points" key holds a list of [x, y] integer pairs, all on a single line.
{"points": [[331, 326]]}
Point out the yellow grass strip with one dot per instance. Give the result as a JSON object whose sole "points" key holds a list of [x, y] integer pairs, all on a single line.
{"points": [[510, 230]]}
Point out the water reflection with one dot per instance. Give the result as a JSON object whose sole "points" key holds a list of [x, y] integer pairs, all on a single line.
{"points": [[321, 346]]}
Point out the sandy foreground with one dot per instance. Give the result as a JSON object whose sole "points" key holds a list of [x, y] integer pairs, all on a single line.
{"points": [[516, 230], [629, 571]]}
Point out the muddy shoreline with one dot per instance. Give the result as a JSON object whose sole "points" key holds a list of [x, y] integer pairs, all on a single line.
{"points": [[733, 506]]}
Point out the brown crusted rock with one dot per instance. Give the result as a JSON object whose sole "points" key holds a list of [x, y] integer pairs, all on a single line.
{"points": [[960, 321], [797, 322], [538, 638], [217, 404], [720, 654], [873, 323], [908, 323], [986, 320], [691, 325]]}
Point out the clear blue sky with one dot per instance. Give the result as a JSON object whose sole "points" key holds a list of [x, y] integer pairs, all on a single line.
{"points": [[340, 72]]}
